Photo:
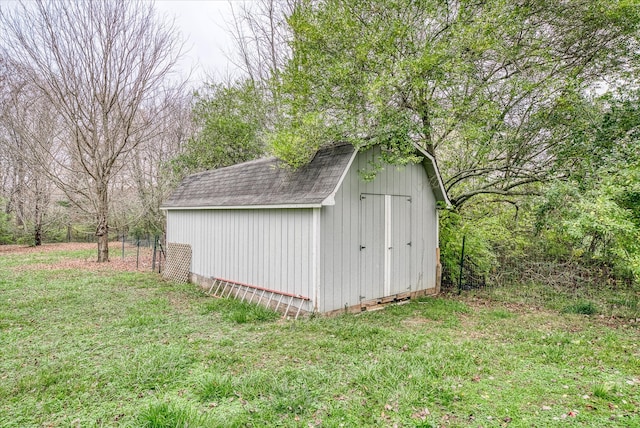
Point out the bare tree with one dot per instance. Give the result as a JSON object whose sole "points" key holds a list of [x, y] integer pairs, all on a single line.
{"points": [[26, 117], [261, 36], [99, 63], [146, 179]]}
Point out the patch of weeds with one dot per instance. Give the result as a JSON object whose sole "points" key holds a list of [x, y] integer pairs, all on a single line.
{"points": [[629, 301], [603, 392], [216, 304], [619, 302], [225, 342], [444, 310], [353, 329], [151, 367], [583, 307], [554, 354], [293, 393], [240, 312], [224, 357], [51, 378], [169, 415], [245, 312], [500, 314], [257, 384], [214, 387], [140, 320]]}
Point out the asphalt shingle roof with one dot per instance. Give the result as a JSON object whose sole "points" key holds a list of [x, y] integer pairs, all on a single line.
{"points": [[264, 182]]}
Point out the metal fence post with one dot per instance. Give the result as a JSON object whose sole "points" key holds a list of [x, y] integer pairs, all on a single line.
{"points": [[461, 265], [153, 260]]}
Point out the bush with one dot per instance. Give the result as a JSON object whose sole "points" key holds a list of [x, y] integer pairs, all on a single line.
{"points": [[581, 308]]}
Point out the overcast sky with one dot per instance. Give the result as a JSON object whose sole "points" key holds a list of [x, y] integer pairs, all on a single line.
{"points": [[203, 25]]}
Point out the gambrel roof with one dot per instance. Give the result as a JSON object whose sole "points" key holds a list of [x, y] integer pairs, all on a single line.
{"points": [[268, 183]]}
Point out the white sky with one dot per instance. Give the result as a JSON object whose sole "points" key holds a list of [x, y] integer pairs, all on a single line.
{"points": [[203, 24]]}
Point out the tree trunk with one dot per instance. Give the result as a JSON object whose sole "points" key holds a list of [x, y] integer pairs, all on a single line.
{"points": [[38, 224], [102, 232], [102, 227], [38, 235]]}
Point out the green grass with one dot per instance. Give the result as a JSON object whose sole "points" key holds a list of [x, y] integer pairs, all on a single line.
{"points": [[129, 349]]}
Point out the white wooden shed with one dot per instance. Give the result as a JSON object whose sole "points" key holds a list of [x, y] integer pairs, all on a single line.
{"points": [[316, 239]]}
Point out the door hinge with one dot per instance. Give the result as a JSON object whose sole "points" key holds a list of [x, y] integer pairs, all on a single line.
{"points": [[362, 247], [362, 197]]}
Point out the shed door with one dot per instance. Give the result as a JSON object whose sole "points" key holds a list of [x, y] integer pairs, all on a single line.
{"points": [[385, 249]]}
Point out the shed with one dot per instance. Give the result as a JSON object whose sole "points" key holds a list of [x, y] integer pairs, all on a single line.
{"points": [[316, 239]]}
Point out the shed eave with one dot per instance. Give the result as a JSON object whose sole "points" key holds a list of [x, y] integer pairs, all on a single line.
{"points": [[440, 191], [330, 200], [242, 207]]}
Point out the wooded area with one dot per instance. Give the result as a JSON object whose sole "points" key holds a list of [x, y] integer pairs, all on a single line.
{"points": [[531, 109]]}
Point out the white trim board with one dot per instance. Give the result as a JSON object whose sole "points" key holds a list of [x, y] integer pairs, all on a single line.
{"points": [[244, 207]]}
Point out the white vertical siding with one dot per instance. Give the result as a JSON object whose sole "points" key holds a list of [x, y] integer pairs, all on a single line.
{"points": [[269, 248], [341, 282]]}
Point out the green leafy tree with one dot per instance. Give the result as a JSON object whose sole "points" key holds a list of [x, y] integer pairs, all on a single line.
{"points": [[488, 87], [229, 120], [595, 214]]}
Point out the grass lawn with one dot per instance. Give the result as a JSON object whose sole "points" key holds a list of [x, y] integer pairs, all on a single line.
{"points": [[84, 347]]}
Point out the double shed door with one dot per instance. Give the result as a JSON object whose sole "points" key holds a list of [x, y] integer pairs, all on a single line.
{"points": [[385, 245]]}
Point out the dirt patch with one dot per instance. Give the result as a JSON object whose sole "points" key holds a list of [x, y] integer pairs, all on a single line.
{"points": [[131, 262], [46, 248], [115, 264]]}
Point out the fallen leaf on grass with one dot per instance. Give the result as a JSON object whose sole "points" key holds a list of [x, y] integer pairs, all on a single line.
{"points": [[422, 414]]}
